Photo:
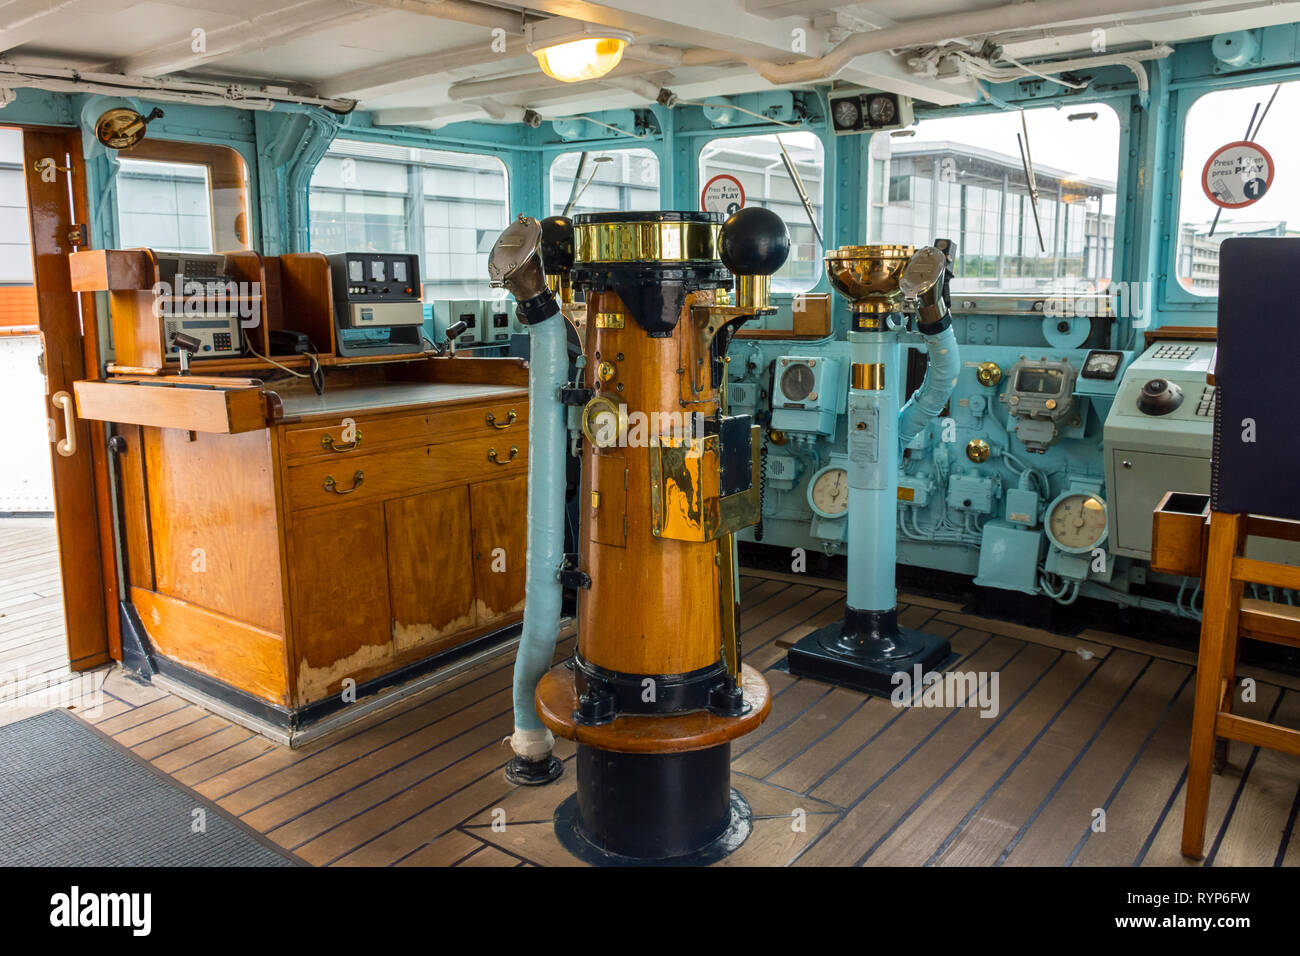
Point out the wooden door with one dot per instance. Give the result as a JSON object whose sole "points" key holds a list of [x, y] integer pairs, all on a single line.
{"points": [[340, 598], [56, 201], [499, 513], [431, 584]]}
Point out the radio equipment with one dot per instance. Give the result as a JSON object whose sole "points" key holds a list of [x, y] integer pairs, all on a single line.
{"points": [[378, 307], [199, 300]]}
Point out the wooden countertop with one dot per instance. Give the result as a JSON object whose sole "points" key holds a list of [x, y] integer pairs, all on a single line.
{"points": [[355, 398]]}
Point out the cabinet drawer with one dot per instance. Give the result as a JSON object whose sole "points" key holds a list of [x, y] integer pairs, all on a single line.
{"points": [[438, 425], [311, 442], [391, 474]]}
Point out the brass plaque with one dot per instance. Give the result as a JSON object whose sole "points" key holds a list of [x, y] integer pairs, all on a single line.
{"points": [[611, 320], [684, 491]]}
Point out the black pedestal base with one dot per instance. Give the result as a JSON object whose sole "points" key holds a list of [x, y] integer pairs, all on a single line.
{"points": [[865, 650], [675, 809], [533, 773]]}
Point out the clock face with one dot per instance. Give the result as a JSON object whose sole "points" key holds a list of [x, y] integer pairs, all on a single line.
{"points": [[847, 114], [1077, 522], [882, 111], [828, 492], [797, 382]]}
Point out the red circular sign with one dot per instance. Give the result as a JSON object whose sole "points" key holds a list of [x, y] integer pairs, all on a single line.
{"points": [[1237, 174], [723, 193]]}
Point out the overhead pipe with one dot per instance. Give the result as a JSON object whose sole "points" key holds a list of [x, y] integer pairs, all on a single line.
{"points": [[1017, 16], [61, 80]]}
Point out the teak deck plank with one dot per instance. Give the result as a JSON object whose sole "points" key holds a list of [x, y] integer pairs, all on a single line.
{"points": [[1165, 838], [833, 777], [964, 804], [1254, 835]]}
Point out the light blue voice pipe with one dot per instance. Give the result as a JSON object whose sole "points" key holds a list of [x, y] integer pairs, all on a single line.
{"points": [[516, 263], [867, 650]]}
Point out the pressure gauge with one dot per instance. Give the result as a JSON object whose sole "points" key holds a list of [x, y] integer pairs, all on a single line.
{"points": [[797, 382], [828, 492], [1076, 522], [882, 110], [847, 114]]}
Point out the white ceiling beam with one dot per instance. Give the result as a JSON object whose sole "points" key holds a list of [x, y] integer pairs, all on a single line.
{"points": [[22, 21], [276, 27], [717, 24], [460, 11], [386, 77]]}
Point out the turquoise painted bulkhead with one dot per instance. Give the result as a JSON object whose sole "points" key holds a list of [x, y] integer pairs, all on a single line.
{"points": [[937, 528]]}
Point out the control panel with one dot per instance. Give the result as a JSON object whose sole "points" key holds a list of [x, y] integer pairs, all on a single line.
{"points": [[204, 305], [1158, 437], [377, 302]]}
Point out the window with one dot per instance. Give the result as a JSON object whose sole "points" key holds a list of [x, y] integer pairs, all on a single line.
{"points": [[616, 180], [1214, 120], [757, 162], [961, 178], [447, 207], [182, 197], [15, 250]]}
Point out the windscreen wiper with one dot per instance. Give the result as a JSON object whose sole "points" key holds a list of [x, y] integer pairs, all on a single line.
{"points": [[1027, 163], [797, 181]]}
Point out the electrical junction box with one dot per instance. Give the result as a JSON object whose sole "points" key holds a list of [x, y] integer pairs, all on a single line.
{"points": [[447, 312], [914, 492], [807, 394], [973, 493], [1079, 567], [782, 471], [1022, 507], [830, 530], [1009, 557]]}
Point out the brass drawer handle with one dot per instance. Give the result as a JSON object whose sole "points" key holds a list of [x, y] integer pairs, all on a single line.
{"points": [[327, 442], [492, 455], [357, 477], [510, 419]]}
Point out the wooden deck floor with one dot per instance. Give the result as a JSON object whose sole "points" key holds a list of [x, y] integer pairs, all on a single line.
{"points": [[34, 672], [1076, 736]]}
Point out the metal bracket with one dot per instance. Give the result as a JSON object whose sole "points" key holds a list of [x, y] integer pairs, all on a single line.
{"points": [[572, 576]]}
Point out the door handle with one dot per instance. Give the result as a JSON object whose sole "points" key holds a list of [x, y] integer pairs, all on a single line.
{"points": [[67, 446]]}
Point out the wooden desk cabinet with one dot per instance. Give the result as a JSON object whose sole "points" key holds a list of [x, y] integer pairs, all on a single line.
{"points": [[286, 560]]}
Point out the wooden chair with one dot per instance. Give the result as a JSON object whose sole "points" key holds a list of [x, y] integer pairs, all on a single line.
{"points": [[1226, 617]]}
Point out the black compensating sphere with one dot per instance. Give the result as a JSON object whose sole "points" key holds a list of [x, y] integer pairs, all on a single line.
{"points": [[556, 244], [753, 242]]}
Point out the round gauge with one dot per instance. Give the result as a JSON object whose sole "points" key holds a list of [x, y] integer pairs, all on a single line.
{"points": [[847, 114], [828, 492], [1076, 522], [603, 422], [881, 110], [797, 382]]}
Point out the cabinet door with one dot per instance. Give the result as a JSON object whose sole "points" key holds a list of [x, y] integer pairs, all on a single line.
{"points": [[430, 569], [499, 512], [341, 609]]}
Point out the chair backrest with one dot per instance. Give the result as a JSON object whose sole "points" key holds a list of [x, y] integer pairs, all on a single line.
{"points": [[1256, 459]]}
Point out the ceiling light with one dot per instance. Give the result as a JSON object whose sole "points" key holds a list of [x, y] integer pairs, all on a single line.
{"points": [[579, 52]]}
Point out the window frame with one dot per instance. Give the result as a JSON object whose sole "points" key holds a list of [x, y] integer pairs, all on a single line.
{"points": [[1174, 297], [1119, 104], [415, 223], [552, 155], [227, 169], [706, 138]]}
